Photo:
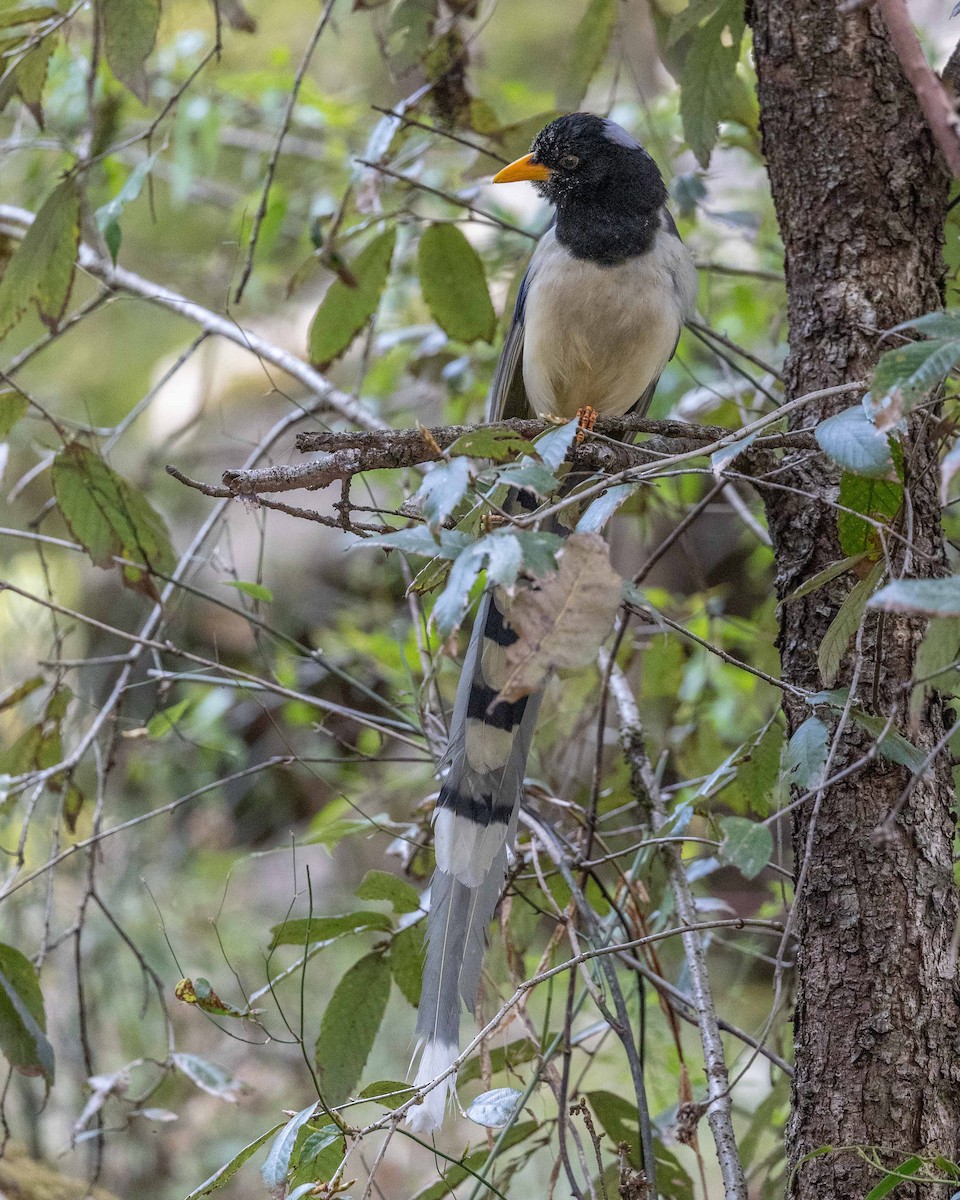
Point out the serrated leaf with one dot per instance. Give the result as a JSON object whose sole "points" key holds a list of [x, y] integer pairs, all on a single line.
{"points": [[565, 619], [13, 406], [920, 597], [23, 1022], [41, 269], [853, 441], [892, 745], [256, 591], [540, 550], [391, 1095], [806, 755], [879, 499], [747, 845], [495, 1108], [588, 46], [201, 994], [345, 310], [602, 509], [350, 1026], [109, 517], [228, 1170], [130, 33], [454, 285], [381, 885], [912, 370], [708, 78], [443, 488], [687, 19], [29, 77], [844, 625], [406, 961], [504, 558], [530, 475], [277, 1163], [210, 1077], [451, 604], [756, 777], [302, 931], [498, 444], [443, 543], [938, 650]]}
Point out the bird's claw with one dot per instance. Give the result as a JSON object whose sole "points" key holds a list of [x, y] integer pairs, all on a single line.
{"points": [[586, 418]]}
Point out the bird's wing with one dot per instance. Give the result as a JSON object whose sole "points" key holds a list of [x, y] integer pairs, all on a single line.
{"points": [[508, 397]]}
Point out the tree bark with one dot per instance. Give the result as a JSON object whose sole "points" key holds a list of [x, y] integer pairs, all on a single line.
{"points": [[860, 194]]}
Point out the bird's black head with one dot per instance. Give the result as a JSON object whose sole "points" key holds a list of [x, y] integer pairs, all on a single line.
{"points": [[606, 188]]}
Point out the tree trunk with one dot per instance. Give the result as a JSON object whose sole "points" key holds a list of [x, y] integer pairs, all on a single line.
{"points": [[860, 194]]}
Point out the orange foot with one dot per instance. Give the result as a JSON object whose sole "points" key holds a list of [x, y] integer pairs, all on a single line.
{"points": [[587, 418]]}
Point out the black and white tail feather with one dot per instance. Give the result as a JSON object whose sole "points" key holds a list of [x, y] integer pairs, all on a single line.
{"points": [[593, 324]]}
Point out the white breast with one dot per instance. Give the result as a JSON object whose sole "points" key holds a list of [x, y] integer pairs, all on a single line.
{"points": [[597, 335]]}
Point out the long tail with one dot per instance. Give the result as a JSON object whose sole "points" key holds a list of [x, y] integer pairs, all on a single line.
{"points": [[475, 822]]}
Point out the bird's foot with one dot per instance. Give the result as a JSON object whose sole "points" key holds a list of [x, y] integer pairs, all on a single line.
{"points": [[587, 418]]}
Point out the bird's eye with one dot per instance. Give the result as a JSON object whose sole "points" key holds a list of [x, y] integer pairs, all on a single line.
{"points": [[569, 162]]}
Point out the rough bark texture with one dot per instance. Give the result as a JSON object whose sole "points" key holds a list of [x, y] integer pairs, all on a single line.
{"points": [[860, 195]]}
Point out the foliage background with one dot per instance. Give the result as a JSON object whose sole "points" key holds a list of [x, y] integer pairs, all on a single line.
{"points": [[194, 888]]}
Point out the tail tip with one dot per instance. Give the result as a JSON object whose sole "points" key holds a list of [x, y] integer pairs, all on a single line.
{"points": [[435, 1058]]}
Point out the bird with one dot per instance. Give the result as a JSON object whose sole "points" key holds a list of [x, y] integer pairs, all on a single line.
{"points": [[598, 316]]}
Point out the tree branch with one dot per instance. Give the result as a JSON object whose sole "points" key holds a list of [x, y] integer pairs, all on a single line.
{"points": [[644, 784], [931, 94]]}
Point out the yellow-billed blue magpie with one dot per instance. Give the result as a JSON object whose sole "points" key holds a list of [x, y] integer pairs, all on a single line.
{"points": [[597, 318]]}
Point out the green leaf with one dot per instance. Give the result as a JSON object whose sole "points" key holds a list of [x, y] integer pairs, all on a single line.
{"points": [[344, 310], [498, 444], [443, 488], [756, 777], [41, 270], [470, 1164], [852, 440], [303, 931], [130, 33], [13, 406], [23, 1023], [454, 285], [687, 19], [844, 625], [920, 597], [29, 77], [161, 723], [317, 1158], [588, 46], [893, 745], [452, 602], [529, 474], [747, 845], [210, 1077], [902, 1174], [815, 582], [495, 1108], [111, 518], [879, 499], [617, 1117], [406, 961], [228, 1170], [806, 754], [277, 1163], [391, 1095], [937, 651], [442, 543], [108, 215], [350, 1025], [256, 591], [707, 82], [381, 885], [912, 370]]}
